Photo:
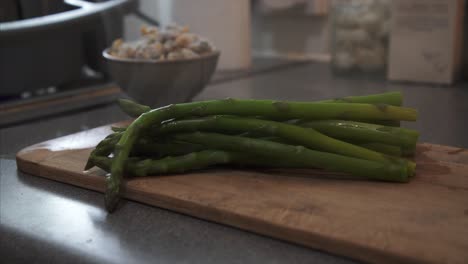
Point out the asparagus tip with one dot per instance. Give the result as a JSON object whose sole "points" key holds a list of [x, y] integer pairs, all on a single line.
{"points": [[89, 164], [111, 201], [411, 168], [122, 101], [112, 195]]}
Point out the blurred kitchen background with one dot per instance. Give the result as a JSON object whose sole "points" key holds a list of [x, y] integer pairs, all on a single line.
{"points": [[50, 50]]}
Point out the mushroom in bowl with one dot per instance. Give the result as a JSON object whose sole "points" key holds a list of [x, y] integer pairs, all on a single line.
{"points": [[168, 65]]}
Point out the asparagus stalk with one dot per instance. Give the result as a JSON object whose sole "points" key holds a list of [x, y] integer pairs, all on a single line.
{"points": [[134, 109], [395, 171], [192, 161], [285, 110], [308, 138], [131, 108], [178, 164], [392, 123], [378, 147], [104, 148], [382, 148], [143, 147], [408, 151], [196, 160], [266, 108], [200, 160], [390, 98], [147, 147], [359, 131], [203, 158], [118, 129]]}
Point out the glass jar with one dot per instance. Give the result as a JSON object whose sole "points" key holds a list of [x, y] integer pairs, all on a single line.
{"points": [[359, 35]]}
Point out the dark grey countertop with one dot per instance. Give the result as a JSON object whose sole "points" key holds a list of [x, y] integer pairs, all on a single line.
{"points": [[46, 221]]}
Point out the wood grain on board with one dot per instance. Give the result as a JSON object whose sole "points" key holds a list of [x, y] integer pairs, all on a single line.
{"points": [[423, 221]]}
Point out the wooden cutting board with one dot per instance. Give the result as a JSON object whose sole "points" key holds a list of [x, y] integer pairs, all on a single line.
{"points": [[424, 221]]}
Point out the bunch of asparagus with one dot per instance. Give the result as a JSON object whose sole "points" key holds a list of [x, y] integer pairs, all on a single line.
{"points": [[359, 135]]}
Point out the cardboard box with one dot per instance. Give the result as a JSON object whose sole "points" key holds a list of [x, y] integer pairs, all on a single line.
{"points": [[426, 40]]}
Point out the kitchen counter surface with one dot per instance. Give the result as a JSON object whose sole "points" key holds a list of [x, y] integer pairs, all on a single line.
{"points": [[46, 221]]}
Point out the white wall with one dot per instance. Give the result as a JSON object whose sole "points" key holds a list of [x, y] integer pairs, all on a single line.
{"points": [[157, 9], [289, 31], [226, 23], [236, 29]]}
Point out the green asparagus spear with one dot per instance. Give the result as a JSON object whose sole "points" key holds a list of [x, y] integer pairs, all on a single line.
{"points": [[287, 110], [308, 138], [197, 160], [383, 148], [178, 164], [200, 160], [131, 108], [143, 147], [118, 129], [396, 171], [392, 123], [104, 148], [359, 131], [265, 108], [408, 151], [147, 147], [134, 109], [379, 147], [390, 98]]}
